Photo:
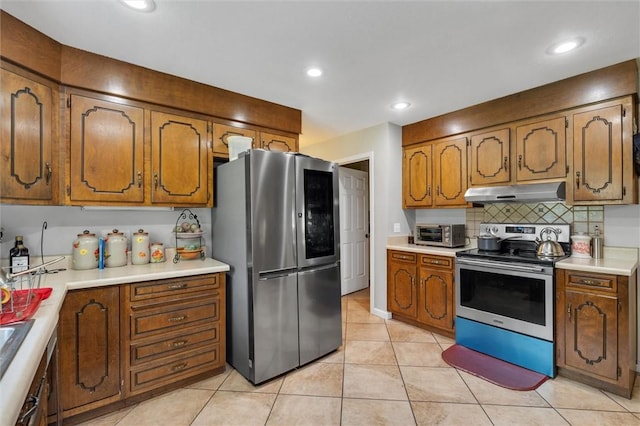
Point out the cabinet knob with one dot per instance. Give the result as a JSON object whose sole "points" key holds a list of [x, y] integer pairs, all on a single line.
{"points": [[139, 179], [505, 163], [155, 180], [577, 180], [520, 162]]}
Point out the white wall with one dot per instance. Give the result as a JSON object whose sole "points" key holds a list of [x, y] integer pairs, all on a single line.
{"points": [[64, 223], [383, 145]]}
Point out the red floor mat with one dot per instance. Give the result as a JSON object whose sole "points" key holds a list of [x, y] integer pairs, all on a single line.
{"points": [[492, 369]]}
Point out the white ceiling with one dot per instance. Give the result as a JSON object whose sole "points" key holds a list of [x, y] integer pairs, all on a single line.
{"points": [[438, 55]]}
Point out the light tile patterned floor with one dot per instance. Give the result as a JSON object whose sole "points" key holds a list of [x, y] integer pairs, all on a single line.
{"points": [[386, 373]]}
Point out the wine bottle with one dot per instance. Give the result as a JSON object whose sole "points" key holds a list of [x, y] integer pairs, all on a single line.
{"points": [[19, 256]]}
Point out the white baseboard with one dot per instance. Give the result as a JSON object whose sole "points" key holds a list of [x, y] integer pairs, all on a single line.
{"points": [[380, 313]]}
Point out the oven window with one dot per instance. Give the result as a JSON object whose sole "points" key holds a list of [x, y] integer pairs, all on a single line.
{"points": [[511, 296], [430, 234]]}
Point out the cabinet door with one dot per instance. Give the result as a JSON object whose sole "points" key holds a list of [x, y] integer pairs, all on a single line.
{"points": [[280, 143], [401, 286], [450, 166], [591, 333], [435, 296], [541, 150], [597, 154], [221, 136], [89, 343], [489, 158], [107, 150], [179, 159], [26, 139], [416, 177]]}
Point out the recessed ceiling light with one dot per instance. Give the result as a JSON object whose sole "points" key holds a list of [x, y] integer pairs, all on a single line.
{"points": [[314, 72], [565, 46], [400, 105], [140, 5]]}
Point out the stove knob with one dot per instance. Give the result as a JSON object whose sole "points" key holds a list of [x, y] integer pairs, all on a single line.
{"points": [[494, 230]]}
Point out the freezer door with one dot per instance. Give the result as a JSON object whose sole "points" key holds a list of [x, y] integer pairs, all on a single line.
{"points": [[317, 210], [271, 210], [320, 311], [275, 325]]}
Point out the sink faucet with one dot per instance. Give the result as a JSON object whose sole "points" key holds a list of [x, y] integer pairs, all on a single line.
{"points": [[8, 277]]}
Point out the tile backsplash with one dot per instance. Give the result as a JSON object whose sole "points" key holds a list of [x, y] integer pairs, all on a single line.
{"points": [[583, 218]]}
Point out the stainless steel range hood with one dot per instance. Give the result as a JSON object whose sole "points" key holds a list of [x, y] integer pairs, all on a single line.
{"points": [[525, 193]]}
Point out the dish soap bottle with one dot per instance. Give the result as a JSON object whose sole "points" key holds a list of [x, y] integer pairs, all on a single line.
{"points": [[19, 256]]}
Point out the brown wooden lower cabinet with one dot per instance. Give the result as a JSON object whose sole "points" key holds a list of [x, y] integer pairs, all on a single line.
{"points": [[596, 329], [130, 340], [420, 290]]}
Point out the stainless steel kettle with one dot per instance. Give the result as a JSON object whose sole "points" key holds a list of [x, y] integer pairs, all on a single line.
{"points": [[549, 247]]}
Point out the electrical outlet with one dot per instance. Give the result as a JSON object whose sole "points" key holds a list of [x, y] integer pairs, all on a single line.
{"points": [[396, 227]]}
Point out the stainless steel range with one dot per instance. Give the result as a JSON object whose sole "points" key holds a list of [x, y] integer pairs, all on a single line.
{"points": [[505, 298]]}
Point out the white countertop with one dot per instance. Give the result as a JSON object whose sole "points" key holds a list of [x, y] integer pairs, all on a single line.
{"points": [[16, 380], [617, 261]]}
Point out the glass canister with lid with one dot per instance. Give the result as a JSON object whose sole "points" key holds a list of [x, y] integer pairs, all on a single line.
{"points": [[85, 251]]}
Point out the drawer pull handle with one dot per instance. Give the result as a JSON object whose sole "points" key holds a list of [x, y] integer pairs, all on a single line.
{"points": [[589, 282], [179, 366], [177, 343], [176, 286], [176, 319]]}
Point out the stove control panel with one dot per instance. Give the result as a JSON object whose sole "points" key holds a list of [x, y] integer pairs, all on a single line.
{"points": [[525, 231]]}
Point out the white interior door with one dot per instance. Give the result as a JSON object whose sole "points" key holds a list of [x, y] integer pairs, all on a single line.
{"points": [[354, 229]]}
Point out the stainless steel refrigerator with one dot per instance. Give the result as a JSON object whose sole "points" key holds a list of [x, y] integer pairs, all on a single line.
{"points": [[276, 224]]}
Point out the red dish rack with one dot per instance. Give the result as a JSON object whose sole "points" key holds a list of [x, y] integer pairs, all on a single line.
{"points": [[24, 298]]}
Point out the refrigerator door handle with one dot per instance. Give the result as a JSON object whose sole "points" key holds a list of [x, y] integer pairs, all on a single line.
{"points": [[310, 269], [267, 275]]}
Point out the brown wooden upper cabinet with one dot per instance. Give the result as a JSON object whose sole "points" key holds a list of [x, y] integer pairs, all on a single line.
{"points": [[107, 151], [600, 153], [273, 142], [489, 158], [179, 161], [29, 173], [221, 138], [435, 174], [541, 149], [416, 176]]}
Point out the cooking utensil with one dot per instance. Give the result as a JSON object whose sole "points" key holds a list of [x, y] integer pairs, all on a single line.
{"points": [[488, 242], [549, 247]]}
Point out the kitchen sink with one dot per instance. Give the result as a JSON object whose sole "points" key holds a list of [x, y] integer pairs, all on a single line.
{"points": [[11, 337]]}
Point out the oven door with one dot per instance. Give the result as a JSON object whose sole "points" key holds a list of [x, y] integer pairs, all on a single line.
{"points": [[512, 296]]}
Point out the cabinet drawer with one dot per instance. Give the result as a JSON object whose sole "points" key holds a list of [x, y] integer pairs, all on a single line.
{"points": [[607, 283], [173, 287], [155, 375], [174, 345], [176, 316], [437, 261], [403, 256]]}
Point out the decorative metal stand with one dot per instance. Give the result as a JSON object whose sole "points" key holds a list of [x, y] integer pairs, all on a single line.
{"points": [[190, 217]]}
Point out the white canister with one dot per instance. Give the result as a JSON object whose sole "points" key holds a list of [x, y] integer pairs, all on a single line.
{"points": [[157, 253], [140, 248], [581, 245], [85, 253], [115, 250]]}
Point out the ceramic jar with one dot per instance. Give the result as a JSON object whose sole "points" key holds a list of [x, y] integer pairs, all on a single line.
{"points": [[115, 247], [157, 253], [140, 248], [85, 251], [581, 245]]}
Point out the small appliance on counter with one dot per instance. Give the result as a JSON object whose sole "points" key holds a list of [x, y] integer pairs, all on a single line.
{"points": [[442, 235]]}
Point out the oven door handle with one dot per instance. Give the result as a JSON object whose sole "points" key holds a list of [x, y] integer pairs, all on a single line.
{"points": [[501, 265]]}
